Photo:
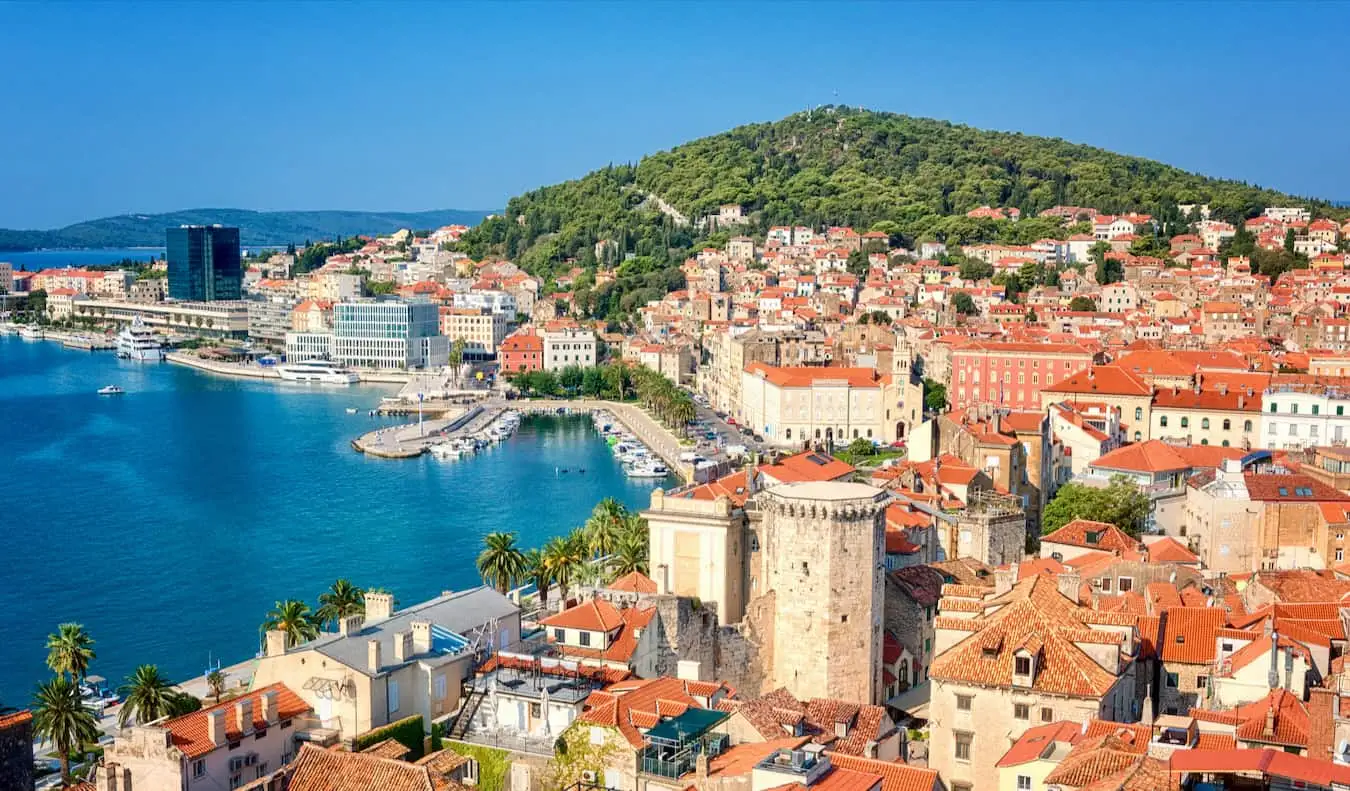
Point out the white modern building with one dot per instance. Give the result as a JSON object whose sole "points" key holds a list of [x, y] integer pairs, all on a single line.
{"points": [[567, 346], [220, 317], [389, 334], [1297, 416], [302, 346], [495, 301]]}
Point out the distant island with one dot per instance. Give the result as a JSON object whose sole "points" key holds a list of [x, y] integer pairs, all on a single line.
{"points": [[256, 228]]}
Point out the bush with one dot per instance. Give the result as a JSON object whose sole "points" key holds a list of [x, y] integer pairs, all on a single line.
{"points": [[408, 732], [493, 764]]}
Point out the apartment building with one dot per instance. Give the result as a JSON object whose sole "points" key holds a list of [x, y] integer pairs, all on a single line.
{"points": [[502, 302], [388, 334], [221, 318], [1298, 416], [522, 350], [792, 406], [481, 329], [1010, 374], [566, 346]]}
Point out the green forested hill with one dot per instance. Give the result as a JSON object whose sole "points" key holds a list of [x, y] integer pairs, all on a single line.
{"points": [[914, 178], [255, 227]]}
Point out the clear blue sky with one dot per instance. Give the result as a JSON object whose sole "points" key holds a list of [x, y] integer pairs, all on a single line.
{"points": [[109, 108]]}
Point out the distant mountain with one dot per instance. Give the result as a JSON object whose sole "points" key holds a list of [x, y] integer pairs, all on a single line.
{"points": [[256, 228]]}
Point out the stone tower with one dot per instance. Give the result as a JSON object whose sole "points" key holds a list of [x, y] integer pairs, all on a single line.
{"points": [[823, 553]]}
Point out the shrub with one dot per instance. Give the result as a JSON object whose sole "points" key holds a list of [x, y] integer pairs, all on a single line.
{"points": [[408, 731]]}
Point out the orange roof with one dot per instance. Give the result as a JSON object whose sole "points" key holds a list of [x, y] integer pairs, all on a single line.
{"points": [[1187, 634], [1033, 743], [808, 376], [189, 731], [837, 779], [1093, 535], [895, 776], [317, 769], [807, 466], [1157, 456], [630, 705], [1169, 550], [596, 615], [633, 582], [15, 719], [1102, 380], [735, 487]]}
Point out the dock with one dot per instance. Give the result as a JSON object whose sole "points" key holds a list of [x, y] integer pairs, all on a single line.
{"points": [[89, 344]]}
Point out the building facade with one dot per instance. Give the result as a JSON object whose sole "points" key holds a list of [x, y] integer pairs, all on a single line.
{"points": [[481, 329], [204, 263], [568, 346], [792, 406], [386, 334]]}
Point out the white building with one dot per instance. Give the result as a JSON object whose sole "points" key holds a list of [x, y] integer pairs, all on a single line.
{"points": [[220, 317], [495, 301], [1304, 416], [309, 346], [568, 346], [791, 406], [388, 334], [481, 329], [1287, 214]]}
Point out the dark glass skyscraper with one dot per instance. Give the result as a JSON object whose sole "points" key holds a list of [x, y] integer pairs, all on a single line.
{"points": [[204, 263]]}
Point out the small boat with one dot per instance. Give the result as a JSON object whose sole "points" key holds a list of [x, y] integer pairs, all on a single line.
{"points": [[647, 469], [351, 410], [32, 333], [110, 390]]}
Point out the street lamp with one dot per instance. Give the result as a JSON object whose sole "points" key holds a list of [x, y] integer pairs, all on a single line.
{"points": [[420, 432]]}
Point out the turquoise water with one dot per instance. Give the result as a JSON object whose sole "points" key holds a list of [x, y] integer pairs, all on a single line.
{"points": [[170, 519]]}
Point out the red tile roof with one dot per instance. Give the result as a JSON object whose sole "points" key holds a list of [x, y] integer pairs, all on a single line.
{"points": [[1158, 456], [189, 731], [1034, 742], [808, 466], [895, 776], [640, 704], [633, 582], [1093, 535], [596, 615], [1187, 634], [317, 769]]}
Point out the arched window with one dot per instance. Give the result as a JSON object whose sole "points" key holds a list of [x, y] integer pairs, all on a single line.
{"points": [[1246, 425], [1162, 421], [787, 434], [1138, 436], [1204, 423], [1185, 422], [1225, 443], [1204, 442], [1138, 413]]}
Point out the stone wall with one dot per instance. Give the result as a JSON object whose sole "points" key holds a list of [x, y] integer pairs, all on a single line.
{"points": [[1186, 695], [16, 752]]}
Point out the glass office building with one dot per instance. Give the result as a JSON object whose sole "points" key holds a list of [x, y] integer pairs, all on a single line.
{"points": [[204, 263], [388, 334]]}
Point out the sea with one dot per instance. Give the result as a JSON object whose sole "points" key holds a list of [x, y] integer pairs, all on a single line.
{"points": [[33, 260], [170, 519]]}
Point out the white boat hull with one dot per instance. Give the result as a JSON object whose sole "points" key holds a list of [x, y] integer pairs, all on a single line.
{"points": [[319, 378]]}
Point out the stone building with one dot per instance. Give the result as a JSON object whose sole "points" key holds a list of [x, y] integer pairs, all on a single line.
{"points": [[992, 529], [16, 751]]}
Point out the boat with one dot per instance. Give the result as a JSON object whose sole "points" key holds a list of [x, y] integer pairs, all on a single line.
{"points": [[96, 695], [321, 371], [110, 390], [137, 342], [454, 448], [351, 410], [650, 468], [32, 333]]}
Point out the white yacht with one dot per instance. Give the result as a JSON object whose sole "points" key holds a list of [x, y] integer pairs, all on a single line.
{"points": [[137, 342], [322, 371], [648, 468], [32, 333]]}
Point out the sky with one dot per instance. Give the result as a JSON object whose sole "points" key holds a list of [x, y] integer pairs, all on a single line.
{"points": [[109, 108]]}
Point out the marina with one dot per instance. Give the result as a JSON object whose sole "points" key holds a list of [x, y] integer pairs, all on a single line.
{"points": [[231, 520]]}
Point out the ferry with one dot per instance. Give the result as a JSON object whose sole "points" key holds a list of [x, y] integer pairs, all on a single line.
{"points": [[137, 342], [110, 390], [322, 371]]}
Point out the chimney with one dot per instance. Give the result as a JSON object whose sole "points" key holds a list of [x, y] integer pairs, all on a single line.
{"points": [[421, 637], [1069, 584], [1004, 579], [215, 726], [373, 655], [403, 645], [1242, 400], [1198, 383], [351, 625], [1270, 720], [1223, 388], [1273, 678], [688, 669], [276, 643], [267, 707], [701, 765], [379, 606], [243, 715], [1288, 667]]}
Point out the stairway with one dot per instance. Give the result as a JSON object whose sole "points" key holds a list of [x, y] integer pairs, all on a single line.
{"points": [[460, 727]]}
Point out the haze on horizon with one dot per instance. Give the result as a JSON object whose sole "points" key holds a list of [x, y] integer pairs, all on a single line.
{"points": [[112, 109]]}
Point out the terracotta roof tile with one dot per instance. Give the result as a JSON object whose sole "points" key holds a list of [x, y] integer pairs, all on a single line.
{"points": [[1093, 535], [317, 769], [189, 731]]}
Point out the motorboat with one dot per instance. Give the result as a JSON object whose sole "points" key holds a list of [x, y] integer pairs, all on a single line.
{"points": [[137, 342], [650, 468], [110, 390], [32, 333], [96, 695], [321, 371], [351, 410]]}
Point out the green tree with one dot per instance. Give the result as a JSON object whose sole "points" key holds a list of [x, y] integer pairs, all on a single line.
{"points": [[379, 288], [538, 573], [295, 619], [571, 378], [1109, 270], [604, 526], [501, 563], [963, 304], [61, 719], [1121, 503], [631, 553], [70, 650], [456, 357], [858, 264], [1289, 240], [339, 601], [1082, 303], [975, 269], [880, 317], [216, 681], [860, 448], [565, 556], [149, 696], [934, 395]]}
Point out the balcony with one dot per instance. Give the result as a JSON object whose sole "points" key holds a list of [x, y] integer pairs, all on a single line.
{"points": [[674, 745]]}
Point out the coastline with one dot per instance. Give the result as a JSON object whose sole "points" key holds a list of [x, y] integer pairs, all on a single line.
{"points": [[259, 372]]}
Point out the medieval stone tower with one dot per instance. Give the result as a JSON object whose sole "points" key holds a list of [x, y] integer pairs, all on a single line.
{"points": [[822, 558]]}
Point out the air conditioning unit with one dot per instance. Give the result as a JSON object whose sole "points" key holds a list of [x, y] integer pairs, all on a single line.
{"points": [[588, 776]]}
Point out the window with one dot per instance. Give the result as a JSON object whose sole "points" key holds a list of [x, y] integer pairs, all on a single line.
{"points": [[1138, 436], [1185, 421], [1293, 409], [1023, 783], [1022, 667], [1171, 680], [1125, 584], [1274, 408], [260, 734], [536, 710], [1162, 421], [963, 702], [1138, 413], [787, 434], [262, 769], [1204, 423], [285, 724], [584, 638], [1021, 711], [1246, 425], [1204, 442], [198, 768], [1340, 555], [560, 635], [1317, 409], [1047, 714], [1200, 682], [439, 686], [1225, 443], [1271, 430], [1340, 409], [393, 696], [963, 745], [1106, 584]]}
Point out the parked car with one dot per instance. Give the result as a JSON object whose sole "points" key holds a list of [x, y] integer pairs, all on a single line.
{"points": [[758, 438], [731, 421]]}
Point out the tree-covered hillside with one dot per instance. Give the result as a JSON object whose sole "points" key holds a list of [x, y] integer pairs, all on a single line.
{"points": [[914, 178]]}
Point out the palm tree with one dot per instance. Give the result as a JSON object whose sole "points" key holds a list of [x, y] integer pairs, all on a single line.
{"points": [[70, 650], [61, 719], [630, 555], [340, 601], [295, 619], [501, 562], [216, 681], [538, 572], [149, 696], [566, 557], [603, 526]]}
